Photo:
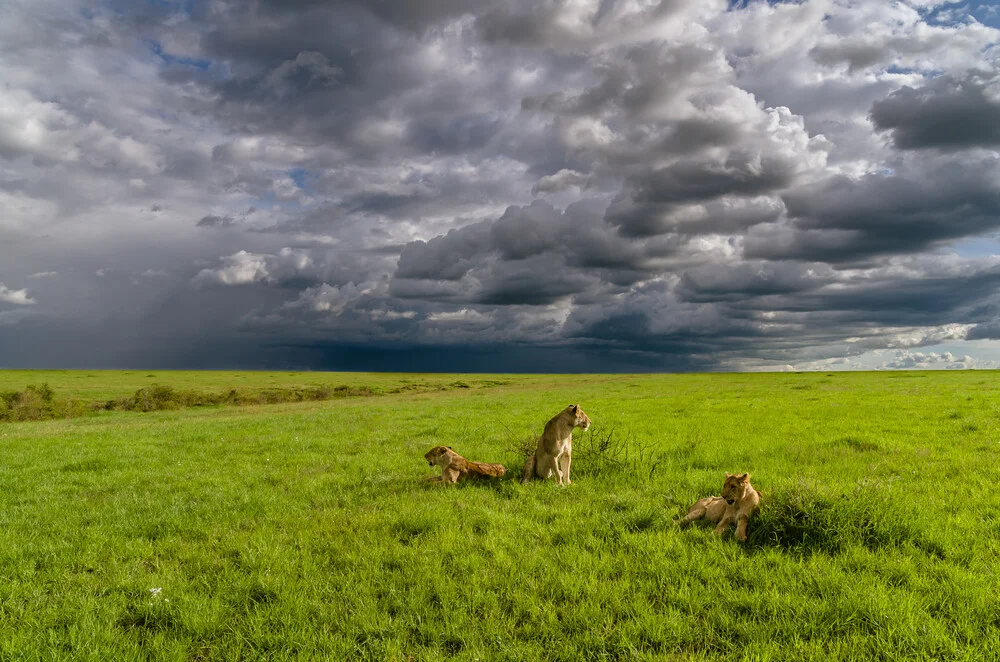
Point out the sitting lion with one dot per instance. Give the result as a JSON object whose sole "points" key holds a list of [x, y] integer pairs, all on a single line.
{"points": [[454, 467], [738, 502], [554, 451]]}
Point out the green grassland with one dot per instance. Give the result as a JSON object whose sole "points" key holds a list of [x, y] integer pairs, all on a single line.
{"points": [[305, 531], [100, 385]]}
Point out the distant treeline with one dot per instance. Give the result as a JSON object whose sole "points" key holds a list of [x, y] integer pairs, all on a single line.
{"points": [[159, 397], [36, 403]]}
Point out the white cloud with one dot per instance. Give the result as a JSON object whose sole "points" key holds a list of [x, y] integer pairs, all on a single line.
{"points": [[332, 299], [46, 131], [16, 297], [463, 315], [241, 268], [906, 360]]}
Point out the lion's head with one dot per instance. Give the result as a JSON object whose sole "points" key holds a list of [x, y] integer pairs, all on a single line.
{"points": [[440, 455], [580, 419], [735, 487]]}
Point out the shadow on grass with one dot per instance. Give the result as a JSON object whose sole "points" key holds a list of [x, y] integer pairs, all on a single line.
{"points": [[149, 618], [802, 522], [412, 527], [506, 486]]}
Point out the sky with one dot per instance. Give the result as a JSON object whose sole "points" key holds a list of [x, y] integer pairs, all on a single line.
{"points": [[500, 185]]}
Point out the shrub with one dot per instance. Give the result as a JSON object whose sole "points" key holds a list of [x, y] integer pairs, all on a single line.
{"points": [[39, 402], [802, 520], [36, 403], [159, 397]]}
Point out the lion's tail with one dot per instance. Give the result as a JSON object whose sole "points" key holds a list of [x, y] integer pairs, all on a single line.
{"points": [[493, 470]]}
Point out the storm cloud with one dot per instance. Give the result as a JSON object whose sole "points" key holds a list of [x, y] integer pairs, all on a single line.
{"points": [[436, 184], [944, 113]]}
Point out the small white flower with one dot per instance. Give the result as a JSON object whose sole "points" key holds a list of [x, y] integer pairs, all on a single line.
{"points": [[155, 592]]}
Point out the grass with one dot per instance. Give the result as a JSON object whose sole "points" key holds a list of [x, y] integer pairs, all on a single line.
{"points": [[305, 530], [104, 385], [40, 401]]}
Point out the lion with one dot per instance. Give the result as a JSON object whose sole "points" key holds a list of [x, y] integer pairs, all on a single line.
{"points": [[554, 452], [454, 467], [738, 502]]}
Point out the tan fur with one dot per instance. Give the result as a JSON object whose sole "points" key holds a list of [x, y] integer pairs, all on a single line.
{"points": [[454, 467], [554, 452], [738, 502]]}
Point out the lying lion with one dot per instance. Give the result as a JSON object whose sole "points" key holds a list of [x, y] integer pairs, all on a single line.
{"points": [[738, 502], [554, 451], [454, 467]]}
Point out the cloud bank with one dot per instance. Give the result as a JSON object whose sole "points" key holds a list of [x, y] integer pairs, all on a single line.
{"points": [[570, 185]]}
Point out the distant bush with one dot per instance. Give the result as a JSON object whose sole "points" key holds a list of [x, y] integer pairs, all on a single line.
{"points": [[155, 398], [36, 403], [161, 397], [39, 402]]}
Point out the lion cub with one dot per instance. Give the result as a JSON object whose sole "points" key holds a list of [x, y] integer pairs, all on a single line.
{"points": [[454, 467], [554, 452], [738, 502]]}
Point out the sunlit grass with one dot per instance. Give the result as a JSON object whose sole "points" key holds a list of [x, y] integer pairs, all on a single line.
{"points": [[102, 385], [305, 531]]}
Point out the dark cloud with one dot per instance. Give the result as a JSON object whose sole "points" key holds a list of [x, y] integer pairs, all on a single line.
{"points": [[214, 221], [985, 331], [448, 257], [416, 15], [857, 55], [454, 135], [569, 25], [531, 255], [946, 114], [742, 281], [843, 219], [880, 297], [525, 231], [537, 280], [741, 174], [646, 209]]}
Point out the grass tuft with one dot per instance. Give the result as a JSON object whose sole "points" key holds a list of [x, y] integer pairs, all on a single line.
{"points": [[804, 521], [859, 444]]}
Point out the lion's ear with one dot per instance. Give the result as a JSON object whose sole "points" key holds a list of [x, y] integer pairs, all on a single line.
{"points": [[729, 475], [745, 477], [449, 448], [576, 408]]}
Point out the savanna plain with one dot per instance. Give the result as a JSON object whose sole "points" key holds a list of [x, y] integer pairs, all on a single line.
{"points": [[285, 516]]}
